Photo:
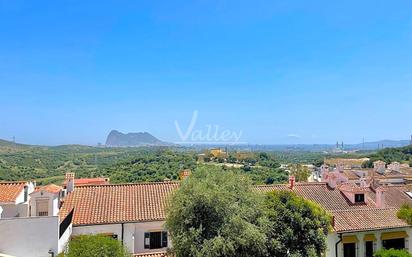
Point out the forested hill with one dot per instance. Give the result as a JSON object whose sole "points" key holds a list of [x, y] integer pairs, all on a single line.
{"points": [[388, 155], [47, 164]]}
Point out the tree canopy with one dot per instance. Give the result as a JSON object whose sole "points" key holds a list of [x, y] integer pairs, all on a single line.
{"points": [[405, 213], [297, 227], [217, 213]]}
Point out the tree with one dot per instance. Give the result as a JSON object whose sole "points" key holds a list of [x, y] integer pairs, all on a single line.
{"points": [[392, 253], [215, 213], [297, 227], [301, 173], [405, 213], [95, 246]]}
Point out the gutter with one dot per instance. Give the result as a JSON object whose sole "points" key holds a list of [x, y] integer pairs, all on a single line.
{"points": [[336, 245], [122, 232]]}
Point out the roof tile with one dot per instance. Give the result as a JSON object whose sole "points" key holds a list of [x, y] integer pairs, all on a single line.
{"points": [[9, 191]]}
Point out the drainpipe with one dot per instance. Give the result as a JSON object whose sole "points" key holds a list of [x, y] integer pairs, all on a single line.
{"points": [[336, 245], [122, 232]]}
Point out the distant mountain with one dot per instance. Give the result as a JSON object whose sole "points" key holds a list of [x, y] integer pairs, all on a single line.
{"points": [[119, 139]]}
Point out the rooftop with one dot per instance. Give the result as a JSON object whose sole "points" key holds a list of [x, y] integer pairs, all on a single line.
{"points": [[89, 181], [9, 191], [366, 219], [106, 204], [52, 188]]}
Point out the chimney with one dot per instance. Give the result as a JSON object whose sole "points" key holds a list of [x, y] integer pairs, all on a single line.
{"points": [[291, 182], [332, 179], [340, 167], [380, 197], [70, 182], [395, 166], [379, 167]]}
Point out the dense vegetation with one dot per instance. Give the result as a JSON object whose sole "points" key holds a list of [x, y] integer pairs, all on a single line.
{"points": [[95, 246], [218, 214], [49, 164], [388, 155]]}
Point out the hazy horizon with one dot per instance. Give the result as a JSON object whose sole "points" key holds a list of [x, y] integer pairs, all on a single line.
{"points": [[269, 72]]}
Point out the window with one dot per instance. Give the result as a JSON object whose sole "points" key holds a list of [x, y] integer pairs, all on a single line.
{"points": [[42, 207], [155, 240], [26, 193], [349, 250], [398, 243], [369, 249], [359, 198]]}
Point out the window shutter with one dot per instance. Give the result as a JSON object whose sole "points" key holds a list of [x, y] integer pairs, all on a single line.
{"points": [[146, 240], [164, 239]]}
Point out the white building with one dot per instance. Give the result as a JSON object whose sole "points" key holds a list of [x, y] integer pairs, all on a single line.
{"points": [[29, 221], [131, 213]]}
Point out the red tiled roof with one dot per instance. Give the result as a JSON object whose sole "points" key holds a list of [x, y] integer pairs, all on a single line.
{"points": [[52, 188], [156, 254], [349, 216], [366, 219], [89, 181], [321, 193], [107, 204], [9, 191]]}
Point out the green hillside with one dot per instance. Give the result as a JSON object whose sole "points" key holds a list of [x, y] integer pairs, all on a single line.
{"points": [[388, 155], [49, 164]]}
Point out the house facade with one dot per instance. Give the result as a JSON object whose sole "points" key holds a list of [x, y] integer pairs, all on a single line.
{"points": [[132, 213], [29, 221]]}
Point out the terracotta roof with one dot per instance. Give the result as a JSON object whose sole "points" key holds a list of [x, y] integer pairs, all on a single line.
{"points": [[106, 204], [321, 193], [52, 188], [154, 254], [89, 181], [333, 199], [366, 219], [9, 191]]}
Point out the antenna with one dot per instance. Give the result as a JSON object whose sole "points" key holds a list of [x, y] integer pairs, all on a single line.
{"points": [[14, 139], [363, 143]]}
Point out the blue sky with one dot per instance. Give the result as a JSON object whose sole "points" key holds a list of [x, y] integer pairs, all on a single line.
{"points": [[278, 71]]}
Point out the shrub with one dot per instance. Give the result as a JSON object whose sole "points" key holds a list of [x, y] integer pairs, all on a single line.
{"points": [[95, 246], [392, 253]]}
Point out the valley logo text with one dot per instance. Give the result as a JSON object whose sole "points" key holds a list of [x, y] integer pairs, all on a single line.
{"points": [[211, 134]]}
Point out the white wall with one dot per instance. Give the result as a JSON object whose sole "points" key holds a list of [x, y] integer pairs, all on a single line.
{"points": [[333, 238], [53, 202], [15, 210], [29, 237], [65, 238], [140, 229]]}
